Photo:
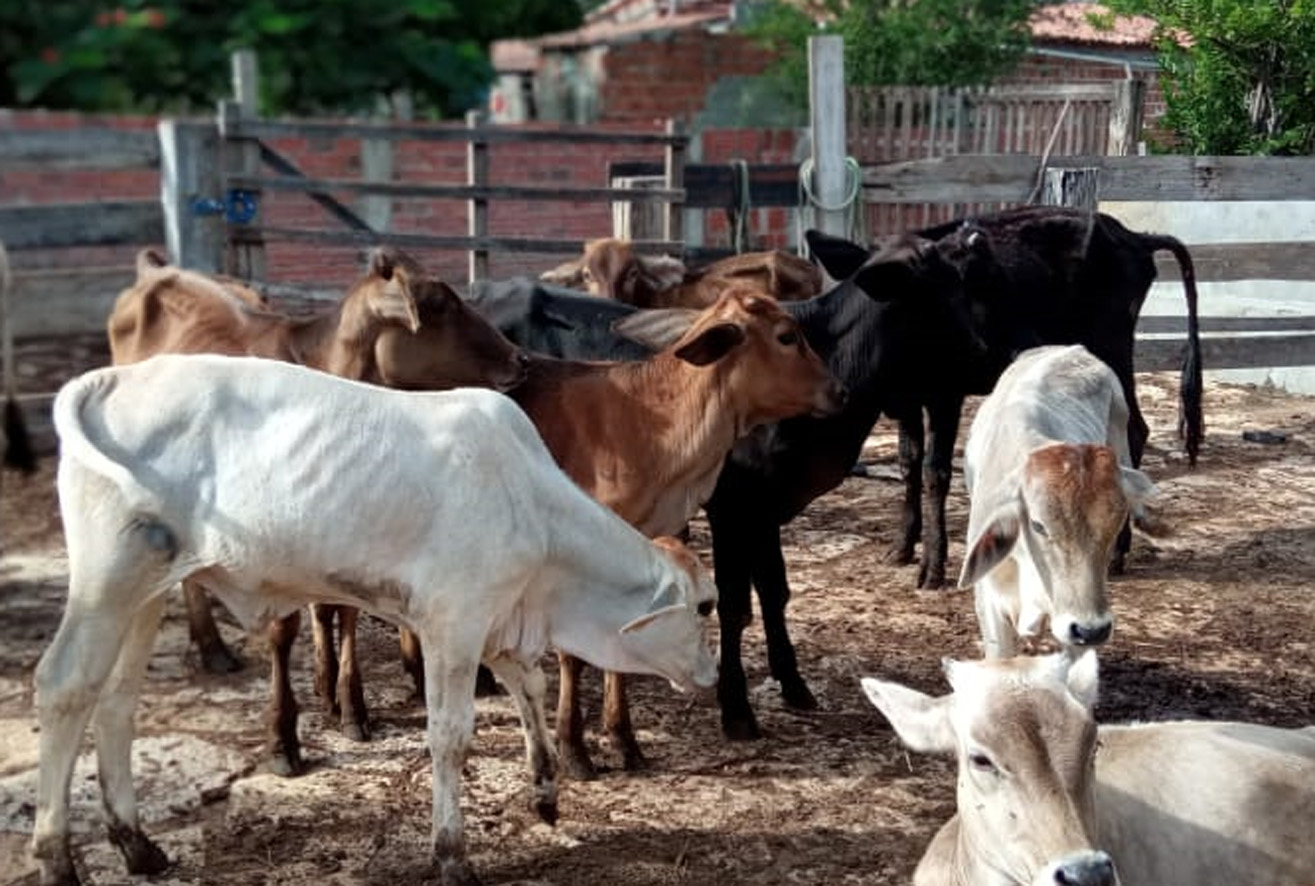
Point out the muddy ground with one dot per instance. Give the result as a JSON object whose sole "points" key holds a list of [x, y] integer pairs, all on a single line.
{"points": [[1214, 620]]}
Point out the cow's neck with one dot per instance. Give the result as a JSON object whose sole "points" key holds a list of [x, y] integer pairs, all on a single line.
{"points": [[334, 343], [951, 861]]}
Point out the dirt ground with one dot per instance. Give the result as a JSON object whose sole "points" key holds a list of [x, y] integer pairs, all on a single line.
{"points": [[1214, 620]]}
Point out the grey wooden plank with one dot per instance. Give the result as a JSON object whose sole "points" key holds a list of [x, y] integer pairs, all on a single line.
{"points": [[977, 177], [270, 129], [1164, 324], [103, 223], [66, 301], [454, 192], [426, 241], [1219, 262], [1233, 352], [81, 148]]}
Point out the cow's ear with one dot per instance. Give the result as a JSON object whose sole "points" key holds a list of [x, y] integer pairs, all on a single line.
{"points": [[839, 257], [648, 618], [657, 328], [568, 274], [1084, 678], [991, 546], [395, 300], [921, 721], [711, 344], [149, 260]]}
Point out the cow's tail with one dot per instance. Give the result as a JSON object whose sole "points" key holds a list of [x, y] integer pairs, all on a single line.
{"points": [[72, 403], [18, 444], [1191, 421]]}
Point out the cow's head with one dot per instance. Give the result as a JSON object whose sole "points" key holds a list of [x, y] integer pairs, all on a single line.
{"points": [[614, 270], [670, 638], [1070, 504], [1023, 734], [424, 335], [764, 366]]}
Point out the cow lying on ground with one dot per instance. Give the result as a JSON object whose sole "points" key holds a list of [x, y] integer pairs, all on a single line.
{"points": [[271, 485], [611, 268], [396, 326], [14, 439], [1057, 276], [1050, 483], [649, 438], [1046, 797], [880, 331]]}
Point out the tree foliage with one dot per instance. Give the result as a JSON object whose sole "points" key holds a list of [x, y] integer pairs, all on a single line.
{"points": [[315, 55], [927, 42], [1238, 75]]}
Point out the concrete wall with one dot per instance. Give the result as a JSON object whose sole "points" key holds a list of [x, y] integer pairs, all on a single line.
{"points": [[1233, 222]]}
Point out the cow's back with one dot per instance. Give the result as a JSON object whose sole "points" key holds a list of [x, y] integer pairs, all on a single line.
{"points": [[1207, 803]]}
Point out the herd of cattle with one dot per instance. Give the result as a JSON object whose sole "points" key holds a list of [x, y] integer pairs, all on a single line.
{"points": [[524, 482]]}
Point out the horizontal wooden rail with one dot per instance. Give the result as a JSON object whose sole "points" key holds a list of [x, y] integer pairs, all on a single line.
{"points": [[712, 185], [428, 241], [1159, 325], [108, 223], [1012, 178], [456, 192], [273, 129], [1237, 352], [78, 149], [1220, 262]]}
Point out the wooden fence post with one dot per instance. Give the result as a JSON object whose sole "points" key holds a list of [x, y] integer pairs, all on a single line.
{"points": [[826, 103], [638, 220], [1126, 117], [246, 249], [190, 171], [674, 178], [477, 209], [1078, 187]]}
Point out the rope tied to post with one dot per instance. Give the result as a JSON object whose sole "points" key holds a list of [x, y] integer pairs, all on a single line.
{"points": [[850, 204], [738, 212]]}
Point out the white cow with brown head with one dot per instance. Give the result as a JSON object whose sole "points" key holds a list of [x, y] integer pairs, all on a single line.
{"points": [[1046, 798], [1051, 484]]}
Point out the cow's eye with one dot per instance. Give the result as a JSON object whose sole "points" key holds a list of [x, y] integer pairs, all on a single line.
{"points": [[705, 608], [1039, 529], [981, 762], [789, 339]]}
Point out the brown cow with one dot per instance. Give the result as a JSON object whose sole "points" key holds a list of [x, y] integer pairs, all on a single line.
{"points": [[434, 341], [648, 438], [611, 268]]}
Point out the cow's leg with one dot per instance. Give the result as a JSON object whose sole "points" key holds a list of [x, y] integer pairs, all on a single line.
{"points": [[616, 720], [731, 564], [413, 661], [526, 683], [326, 656], [773, 595], [450, 692], [355, 719], [1138, 433], [215, 656], [911, 449], [570, 722], [281, 715], [485, 685], [114, 731], [69, 680], [943, 420], [992, 600]]}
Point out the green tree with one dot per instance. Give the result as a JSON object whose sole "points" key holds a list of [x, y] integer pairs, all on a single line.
{"points": [[907, 42], [1238, 75], [315, 55]]}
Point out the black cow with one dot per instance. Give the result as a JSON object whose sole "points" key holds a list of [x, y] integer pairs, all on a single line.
{"points": [[1058, 276], [888, 331]]}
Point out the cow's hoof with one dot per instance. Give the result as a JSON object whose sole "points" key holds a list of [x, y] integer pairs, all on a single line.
{"points": [[140, 855], [632, 758], [546, 810], [286, 765], [798, 696], [1118, 564], [740, 727], [931, 580], [577, 765], [60, 871], [901, 556], [356, 731], [486, 685], [453, 872], [218, 660]]}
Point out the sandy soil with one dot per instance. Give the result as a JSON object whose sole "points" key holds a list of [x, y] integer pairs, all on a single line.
{"points": [[1214, 620]]}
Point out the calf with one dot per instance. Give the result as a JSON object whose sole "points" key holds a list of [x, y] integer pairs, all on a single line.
{"points": [[883, 332], [1047, 797], [611, 268], [1051, 484], [649, 438], [397, 326], [1056, 276], [271, 485]]}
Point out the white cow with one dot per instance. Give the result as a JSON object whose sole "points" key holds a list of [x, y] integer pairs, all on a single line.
{"points": [[1168, 804], [1051, 483], [273, 486]]}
